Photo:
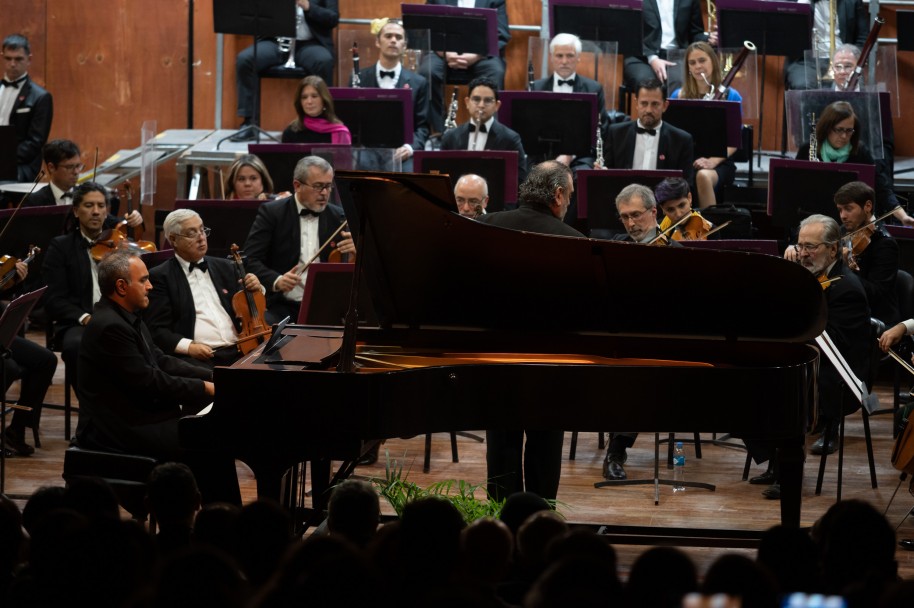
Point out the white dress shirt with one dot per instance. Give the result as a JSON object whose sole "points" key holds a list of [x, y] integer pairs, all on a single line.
{"points": [[562, 88], [646, 149], [478, 139], [387, 83], [213, 326]]}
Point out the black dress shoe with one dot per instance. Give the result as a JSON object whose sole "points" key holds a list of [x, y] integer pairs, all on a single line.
{"points": [[246, 133], [821, 445], [16, 442], [907, 544], [612, 467], [772, 492], [765, 479], [370, 457]]}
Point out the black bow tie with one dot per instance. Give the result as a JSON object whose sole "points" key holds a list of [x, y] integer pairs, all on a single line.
{"points": [[650, 132], [67, 194], [569, 82], [202, 265], [15, 83], [386, 74], [482, 127], [307, 212]]}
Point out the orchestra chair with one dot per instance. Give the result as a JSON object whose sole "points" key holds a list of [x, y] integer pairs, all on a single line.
{"points": [[875, 356], [52, 343], [125, 473]]}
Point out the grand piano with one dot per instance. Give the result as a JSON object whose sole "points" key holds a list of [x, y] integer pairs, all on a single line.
{"points": [[483, 327]]}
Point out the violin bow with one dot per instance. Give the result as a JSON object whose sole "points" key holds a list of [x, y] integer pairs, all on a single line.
{"points": [[670, 229], [302, 270], [22, 200], [718, 228]]}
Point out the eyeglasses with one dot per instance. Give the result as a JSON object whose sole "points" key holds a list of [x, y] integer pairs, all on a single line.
{"points": [[808, 247], [473, 202], [632, 217], [76, 167], [844, 67], [318, 187], [486, 101], [842, 131], [194, 234]]}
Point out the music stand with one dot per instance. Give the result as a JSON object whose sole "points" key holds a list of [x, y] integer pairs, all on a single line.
{"points": [[230, 220], [280, 159], [455, 29], [376, 118], [258, 19], [326, 297], [11, 322], [800, 188], [789, 23], [497, 167], [597, 190], [9, 170], [703, 120], [551, 123], [905, 25], [595, 20]]}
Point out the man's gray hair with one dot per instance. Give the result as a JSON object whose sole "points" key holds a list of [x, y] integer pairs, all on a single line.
{"points": [[538, 190], [632, 190], [172, 224], [832, 232], [304, 166], [469, 178], [853, 49], [565, 40], [114, 266]]}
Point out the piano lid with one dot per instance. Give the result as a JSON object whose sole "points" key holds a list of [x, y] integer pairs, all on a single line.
{"points": [[427, 267]]}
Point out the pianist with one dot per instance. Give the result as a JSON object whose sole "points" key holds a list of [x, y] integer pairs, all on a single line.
{"points": [[131, 394], [544, 199], [472, 195], [288, 232], [190, 310]]}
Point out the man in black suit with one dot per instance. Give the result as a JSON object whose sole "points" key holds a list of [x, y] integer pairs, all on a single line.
{"points": [[190, 310], [564, 56], [511, 467], [482, 131], [660, 36], [62, 158], [388, 73], [853, 27], [649, 143], [25, 106], [132, 394], [315, 21], [475, 66], [288, 232]]}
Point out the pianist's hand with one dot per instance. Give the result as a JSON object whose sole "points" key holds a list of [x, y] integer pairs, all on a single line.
{"points": [[288, 281], [891, 337], [201, 352], [209, 387], [347, 245]]}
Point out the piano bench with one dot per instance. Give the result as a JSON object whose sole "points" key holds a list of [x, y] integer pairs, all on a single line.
{"points": [[125, 473]]}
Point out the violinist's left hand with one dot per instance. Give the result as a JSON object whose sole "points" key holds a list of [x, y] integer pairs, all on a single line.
{"points": [[22, 271], [251, 282], [134, 218], [347, 245]]}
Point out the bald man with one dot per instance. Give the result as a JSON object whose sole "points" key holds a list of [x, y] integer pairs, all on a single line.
{"points": [[472, 194]]}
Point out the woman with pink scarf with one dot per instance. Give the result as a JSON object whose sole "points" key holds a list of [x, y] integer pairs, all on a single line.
{"points": [[316, 121]]}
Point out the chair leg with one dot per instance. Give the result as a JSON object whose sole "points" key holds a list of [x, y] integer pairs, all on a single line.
{"points": [[574, 445], [840, 457], [669, 450], [67, 404], [601, 440], [35, 436], [426, 464], [454, 457], [822, 460], [746, 467], [869, 448], [697, 445]]}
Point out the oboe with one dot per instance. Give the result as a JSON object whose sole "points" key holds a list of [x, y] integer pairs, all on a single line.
{"points": [[813, 140], [355, 81], [451, 121], [599, 160], [530, 76]]}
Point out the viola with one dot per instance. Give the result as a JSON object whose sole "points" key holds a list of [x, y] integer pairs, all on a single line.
{"points": [[249, 307], [8, 266], [116, 238]]}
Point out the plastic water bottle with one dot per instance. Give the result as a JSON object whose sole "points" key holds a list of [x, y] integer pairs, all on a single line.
{"points": [[678, 468]]}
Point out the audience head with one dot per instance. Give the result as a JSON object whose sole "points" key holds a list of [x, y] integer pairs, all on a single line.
{"points": [[818, 243], [313, 183], [792, 558], [579, 581], [11, 539], [90, 207], [674, 198], [660, 577], [172, 494], [40, 503], [519, 506], [564, 54], [482, 99], [651, 103], [738, 576], [855, 204], [313, 100], [354, 511], [839, 126], [262, 538], [17, 56], [248, 179], [215, 524], [472, 194], [487, 548], [93, 498], [548, 187], [185, 231], [62, 158], [534, 536], [430, 540], [199, 577], [637, 210]]}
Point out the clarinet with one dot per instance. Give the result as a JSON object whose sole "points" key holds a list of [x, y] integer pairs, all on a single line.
{"points": [[451, 121], [599, 159], [530, 76], [355, 82], [813, 140]]}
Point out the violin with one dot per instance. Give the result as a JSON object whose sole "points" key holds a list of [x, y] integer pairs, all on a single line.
{"points": [[8, 266], [122, 236], [249, 307], [664, 236]]}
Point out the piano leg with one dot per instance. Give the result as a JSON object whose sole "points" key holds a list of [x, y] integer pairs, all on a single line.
{"points": [[791, 455]]}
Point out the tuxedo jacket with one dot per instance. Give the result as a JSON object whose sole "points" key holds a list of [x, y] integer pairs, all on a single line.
{"points": [[878, 265], [418, 86], [529, 219], [675, 150], [41, 198], [126, 382], [500, 138], [172, 315], [686, 23], [273, 245], [504, 34], [68, 273], [31, 117]]}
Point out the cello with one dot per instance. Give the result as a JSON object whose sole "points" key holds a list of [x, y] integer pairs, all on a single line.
{"points": [[249, 307]]}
